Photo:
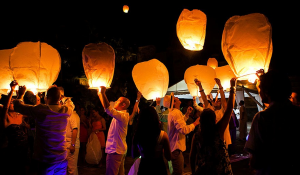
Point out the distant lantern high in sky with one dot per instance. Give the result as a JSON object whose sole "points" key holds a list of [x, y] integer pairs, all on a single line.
{"points": [[125, 8], [191, 29], [151, 78], [247, 44], [99, 64]]}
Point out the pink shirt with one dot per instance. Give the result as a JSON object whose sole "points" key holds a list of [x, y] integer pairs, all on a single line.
{"points": [[178, 129], [51, 122], [116, 137]]}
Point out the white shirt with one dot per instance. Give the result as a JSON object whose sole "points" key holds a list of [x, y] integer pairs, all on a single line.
{"points": [[178, 129], [116, 137], [73, 123], [51, 122]]}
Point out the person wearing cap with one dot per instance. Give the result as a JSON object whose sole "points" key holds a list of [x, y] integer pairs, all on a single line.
{"points": [[178, 128], [116, 145], [163, 115]]}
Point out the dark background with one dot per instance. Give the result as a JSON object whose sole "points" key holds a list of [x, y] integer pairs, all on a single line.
{"points": [[147, 31]]}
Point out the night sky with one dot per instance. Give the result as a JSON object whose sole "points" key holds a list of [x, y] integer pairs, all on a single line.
{"points": [[72, 26]]}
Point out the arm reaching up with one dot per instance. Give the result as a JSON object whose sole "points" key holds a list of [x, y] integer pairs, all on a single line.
{"points": [[201, 90], [223, 100], [103, 98], [136, 105], [6, 104], [222, 124]]}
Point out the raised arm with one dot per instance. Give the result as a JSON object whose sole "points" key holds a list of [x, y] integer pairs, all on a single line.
{"points": [[223, 100], [217, 96], [135, 107], [6, 104], [222, 124], [103, 98], [201, 90], [196, 106]]}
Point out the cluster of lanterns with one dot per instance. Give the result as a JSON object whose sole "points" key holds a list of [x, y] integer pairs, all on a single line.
{"points": [[246, 45]]}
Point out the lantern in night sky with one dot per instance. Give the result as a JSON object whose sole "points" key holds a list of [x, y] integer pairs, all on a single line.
{"points": [[6, 75], [247, 44], [151, 78], [205, 74], [34, 64], [212, 62], [125, 8], [191, 29], [98, 61], [224, 73]]}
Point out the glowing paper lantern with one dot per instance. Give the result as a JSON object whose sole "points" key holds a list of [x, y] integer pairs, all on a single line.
{"points": [[125, 8], [151, 78], [191, 29], [224, 73], [247, 44], [6, 75], [35, 64], [99, 64], [205, 74], [212, 62]]}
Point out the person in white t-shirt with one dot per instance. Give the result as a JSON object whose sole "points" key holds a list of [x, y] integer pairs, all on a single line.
{"points": [[116, 145], [177, 129]]}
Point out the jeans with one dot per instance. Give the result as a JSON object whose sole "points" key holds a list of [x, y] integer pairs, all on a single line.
{"points": [[177, 162], [115, 164]]}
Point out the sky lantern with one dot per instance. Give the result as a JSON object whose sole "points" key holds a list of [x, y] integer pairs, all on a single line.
{"points": [[224, 73], [35, 64], [212, 62], [125, 8], [99, 64], [205, 74], [151, 78], [191, 29], [247, 44], [6, 75]]}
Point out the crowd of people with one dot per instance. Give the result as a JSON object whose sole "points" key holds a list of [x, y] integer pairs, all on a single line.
{"points": [[62, 132]]}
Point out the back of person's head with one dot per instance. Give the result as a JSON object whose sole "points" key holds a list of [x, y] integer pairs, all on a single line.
{"points": [[208, 126], [148, 126], [276, 85], [207, 118], [242, 102], [53, 94]]}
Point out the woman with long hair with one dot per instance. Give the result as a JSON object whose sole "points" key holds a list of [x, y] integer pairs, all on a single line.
{"points": [[15, 130], [151, 142], [209, 154]]}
